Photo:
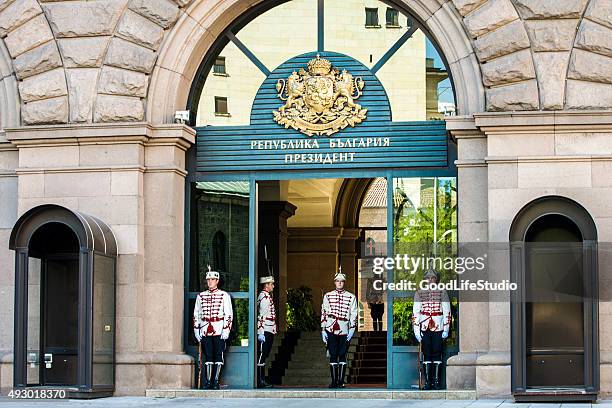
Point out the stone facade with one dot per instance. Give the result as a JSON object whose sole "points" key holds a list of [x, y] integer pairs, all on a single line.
{"points": [[86, 105], [526, 54]]}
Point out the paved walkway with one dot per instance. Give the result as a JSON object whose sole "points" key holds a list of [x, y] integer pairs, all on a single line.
{"points": [[130, 402]]}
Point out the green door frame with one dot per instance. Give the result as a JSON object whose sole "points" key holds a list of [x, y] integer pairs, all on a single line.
{"points": [[244, 357]]}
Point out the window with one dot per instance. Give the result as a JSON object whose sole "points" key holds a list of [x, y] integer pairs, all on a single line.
{"points": [[409, 22], [221, 106], [392, 17], [219, 67], [371, 17], [219, 246]]}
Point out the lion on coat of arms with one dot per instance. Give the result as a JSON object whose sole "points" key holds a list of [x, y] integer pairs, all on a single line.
{"points": [[321, 100]]}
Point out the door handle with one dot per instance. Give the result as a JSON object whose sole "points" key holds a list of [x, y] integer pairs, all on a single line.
{"points": [[33, 359], [48, 360]]}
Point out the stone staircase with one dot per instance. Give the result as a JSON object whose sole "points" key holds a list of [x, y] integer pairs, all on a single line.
{"points": [[309, 366], [368, 358]]}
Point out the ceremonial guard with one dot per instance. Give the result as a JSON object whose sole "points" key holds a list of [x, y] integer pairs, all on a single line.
{"points": [[212, 322], [431, 318], [266, 327], [338, 322]]}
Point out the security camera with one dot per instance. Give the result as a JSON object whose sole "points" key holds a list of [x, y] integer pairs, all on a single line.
{"points": [[181, 116]]}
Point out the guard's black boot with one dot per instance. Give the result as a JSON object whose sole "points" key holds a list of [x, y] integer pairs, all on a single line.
{"points": [[261, 378], [332, 372], [208, 376], [427, 374], [436, 382], [214, 382], [341, 373]]}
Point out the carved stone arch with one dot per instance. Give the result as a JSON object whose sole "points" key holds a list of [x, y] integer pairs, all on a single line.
{"points": [[349, 201], [198, 34], [10, 102]]}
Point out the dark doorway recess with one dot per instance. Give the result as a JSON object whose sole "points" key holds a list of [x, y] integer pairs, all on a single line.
{"points": [[64, 302], [554, 311]]}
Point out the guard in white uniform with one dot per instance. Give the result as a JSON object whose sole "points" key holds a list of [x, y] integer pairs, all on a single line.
{"points": [[338, 322], [212, 322], [266, 327], [431, 319]]}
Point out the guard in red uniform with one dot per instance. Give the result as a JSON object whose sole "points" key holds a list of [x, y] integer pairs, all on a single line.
{"points": [[212, 322], [266, 327], [431, 319], [338, 322]]}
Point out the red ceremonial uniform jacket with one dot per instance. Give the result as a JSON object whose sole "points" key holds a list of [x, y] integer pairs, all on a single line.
{"points": [[266, 316], [339, 312], [431, 311], [212, 314]]}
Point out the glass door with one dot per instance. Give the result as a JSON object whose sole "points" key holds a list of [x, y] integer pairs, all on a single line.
{"points": [[222, 236], [52, 336], [423, 214], [34, 354]]}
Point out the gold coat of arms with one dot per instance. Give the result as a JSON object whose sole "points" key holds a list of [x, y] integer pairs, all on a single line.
{"points": [[320, 101]]}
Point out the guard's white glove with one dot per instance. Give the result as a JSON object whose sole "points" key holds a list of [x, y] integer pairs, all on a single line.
{"points": [[224, 335], [197, 335], [324, 336], [444, 334], [350, 334], [418, 336], [261, 338]]}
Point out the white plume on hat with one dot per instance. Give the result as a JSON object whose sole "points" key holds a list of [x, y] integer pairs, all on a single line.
{"points": [[270, 277], [212, 274], [340, 276]]}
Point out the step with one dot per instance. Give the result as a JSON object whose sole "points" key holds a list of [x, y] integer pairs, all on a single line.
{"points": [[381, 362], [373, 334], [293, 365], [368, 371], [372, 355], [323, 392], [314, 371], [367, 379], [371, 348], [372, 340], [318, 382], [319, 355]]}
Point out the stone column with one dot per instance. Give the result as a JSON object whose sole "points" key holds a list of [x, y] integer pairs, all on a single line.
{"points": [[163, 287], [472, 227], [272, 232], [347, 248], [132, 176], [8, 217]]}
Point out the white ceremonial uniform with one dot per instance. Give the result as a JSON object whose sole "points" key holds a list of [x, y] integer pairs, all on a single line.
{"points": [[266, 316], [212, 314], [339, 312], [431, 311]]}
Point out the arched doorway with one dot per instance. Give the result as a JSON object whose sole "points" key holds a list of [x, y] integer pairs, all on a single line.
{"points": [[554, 311], [259, 126], [64, 302]]}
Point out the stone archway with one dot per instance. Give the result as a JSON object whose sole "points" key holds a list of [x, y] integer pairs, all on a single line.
{"points": [[196, 32]]}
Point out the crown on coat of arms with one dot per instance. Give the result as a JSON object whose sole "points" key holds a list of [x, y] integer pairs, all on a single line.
{"points": [[319, 66]]}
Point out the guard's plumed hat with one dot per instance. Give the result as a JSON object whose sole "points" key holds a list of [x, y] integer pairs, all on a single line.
{"points": [[340, 276], [212, 274], [266, 279], [431, 273]]}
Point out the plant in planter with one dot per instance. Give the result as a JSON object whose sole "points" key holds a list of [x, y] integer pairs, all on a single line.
{"points": [[300, 312]]}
